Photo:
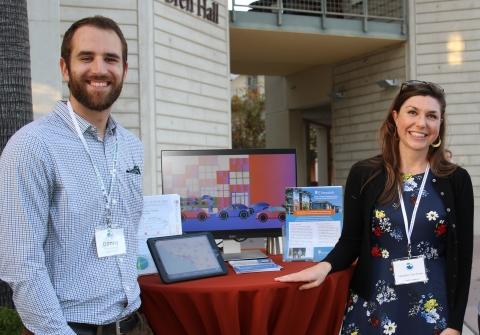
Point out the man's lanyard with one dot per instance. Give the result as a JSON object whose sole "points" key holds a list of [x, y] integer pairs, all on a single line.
{"points": [[408, 230], [106, 196]]}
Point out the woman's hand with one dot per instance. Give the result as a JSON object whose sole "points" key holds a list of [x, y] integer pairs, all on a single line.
{"points": [[314, 276], [450, 331]]}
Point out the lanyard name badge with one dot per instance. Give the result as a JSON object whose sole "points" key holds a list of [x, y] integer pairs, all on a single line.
{"points": [[411, 269], [109, 239]]}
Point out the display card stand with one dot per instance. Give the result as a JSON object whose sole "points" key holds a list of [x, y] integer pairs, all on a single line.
{"points": [[232, 251]]}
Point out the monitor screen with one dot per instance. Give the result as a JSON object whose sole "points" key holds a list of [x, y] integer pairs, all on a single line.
{"points": [[230, 193]]}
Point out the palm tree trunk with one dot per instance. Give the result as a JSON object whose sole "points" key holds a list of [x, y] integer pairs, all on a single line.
{"points": [[15, 83]]}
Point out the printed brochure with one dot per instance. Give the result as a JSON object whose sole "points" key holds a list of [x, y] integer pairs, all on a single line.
{"points": [[160, 217], [254, 265], [313, 223]]}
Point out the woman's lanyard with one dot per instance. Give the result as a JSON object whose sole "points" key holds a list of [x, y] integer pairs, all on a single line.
{"points": [[408, 230], [106, 196]]}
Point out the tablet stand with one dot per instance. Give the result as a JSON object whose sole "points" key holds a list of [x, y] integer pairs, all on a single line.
{"points": [[231, 246]]}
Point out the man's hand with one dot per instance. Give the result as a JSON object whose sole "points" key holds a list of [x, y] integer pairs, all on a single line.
{"points": [[314, 276]]}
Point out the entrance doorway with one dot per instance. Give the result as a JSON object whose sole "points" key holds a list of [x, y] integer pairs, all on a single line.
{"points": [[319, 158]]}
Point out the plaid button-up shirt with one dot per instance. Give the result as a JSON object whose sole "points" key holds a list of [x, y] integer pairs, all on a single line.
{"points": [[50, 205]]}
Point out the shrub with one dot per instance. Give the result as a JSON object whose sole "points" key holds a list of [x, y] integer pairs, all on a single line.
{"points": [[10, 323]]}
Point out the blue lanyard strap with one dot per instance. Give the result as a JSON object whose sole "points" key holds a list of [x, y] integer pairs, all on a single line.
{"points": [[107, 197]]}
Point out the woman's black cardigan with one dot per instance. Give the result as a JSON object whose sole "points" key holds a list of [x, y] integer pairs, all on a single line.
{"points": [[457, 195]]}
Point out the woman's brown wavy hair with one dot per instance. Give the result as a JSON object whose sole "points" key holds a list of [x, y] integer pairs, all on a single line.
{"points": [[388, 137]]}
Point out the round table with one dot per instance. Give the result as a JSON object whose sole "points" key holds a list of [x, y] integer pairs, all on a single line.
{"points": [[250, 304]]}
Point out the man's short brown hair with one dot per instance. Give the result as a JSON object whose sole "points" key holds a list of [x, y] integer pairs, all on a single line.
{"points": [[100, 22]]}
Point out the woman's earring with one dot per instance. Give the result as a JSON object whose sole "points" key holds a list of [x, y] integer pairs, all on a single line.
{"points": [[436, 145]]}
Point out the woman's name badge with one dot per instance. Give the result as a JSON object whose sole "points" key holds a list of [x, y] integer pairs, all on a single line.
{"points": [[110, 242], [409, 270]]}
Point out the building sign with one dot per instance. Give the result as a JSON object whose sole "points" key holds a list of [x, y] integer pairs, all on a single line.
{"points": [[208, 13]]}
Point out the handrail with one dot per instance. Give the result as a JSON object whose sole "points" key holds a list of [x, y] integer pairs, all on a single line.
{"points": [[365, 10]]}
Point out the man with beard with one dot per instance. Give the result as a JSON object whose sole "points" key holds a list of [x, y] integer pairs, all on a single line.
{"points": [[71, 199]]}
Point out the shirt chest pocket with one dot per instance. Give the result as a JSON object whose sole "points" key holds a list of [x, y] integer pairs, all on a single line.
{"points": [[130, 192]]}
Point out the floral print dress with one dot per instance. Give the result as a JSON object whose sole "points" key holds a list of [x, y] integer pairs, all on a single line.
{"points": [[418, 308]]}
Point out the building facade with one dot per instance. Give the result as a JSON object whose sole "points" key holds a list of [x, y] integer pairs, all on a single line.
{"points": [[334, 78]]}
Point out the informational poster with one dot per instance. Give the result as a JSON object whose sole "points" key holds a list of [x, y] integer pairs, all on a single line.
{"points": [[161, 217], [313, 223]]}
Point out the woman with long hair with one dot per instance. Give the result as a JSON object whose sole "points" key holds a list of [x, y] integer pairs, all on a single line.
{"points": [[408, 222]]}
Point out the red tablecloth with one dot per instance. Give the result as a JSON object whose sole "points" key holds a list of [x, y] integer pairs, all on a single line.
{"points": [[249, 304]]}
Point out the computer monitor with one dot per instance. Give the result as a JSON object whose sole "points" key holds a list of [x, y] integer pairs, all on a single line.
{"points": [[230, 193]]}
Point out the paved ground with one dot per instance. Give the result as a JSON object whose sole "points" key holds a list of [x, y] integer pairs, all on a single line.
{"points": [[467, 331], [471, 314]]}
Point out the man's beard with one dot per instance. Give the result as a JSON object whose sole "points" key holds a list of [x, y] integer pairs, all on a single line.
{"points": [[95, 101]]}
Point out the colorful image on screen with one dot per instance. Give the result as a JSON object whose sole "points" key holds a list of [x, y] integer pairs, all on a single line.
{"points": [[229, 192]]}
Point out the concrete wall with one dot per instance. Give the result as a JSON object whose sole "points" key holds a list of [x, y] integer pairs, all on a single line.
{"points": [[286, 99], [445, 48], [276, 113], [309, 88], [357, 116]]}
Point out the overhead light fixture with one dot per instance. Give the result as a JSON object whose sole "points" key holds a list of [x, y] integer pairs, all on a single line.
{"points": [[388, 83]]}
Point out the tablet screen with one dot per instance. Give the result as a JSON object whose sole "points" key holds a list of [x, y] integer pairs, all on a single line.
{"points": [[187, 257]]}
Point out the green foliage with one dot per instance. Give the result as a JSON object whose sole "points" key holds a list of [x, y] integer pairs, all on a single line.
{"points": [[248, 123], [10, 323]]}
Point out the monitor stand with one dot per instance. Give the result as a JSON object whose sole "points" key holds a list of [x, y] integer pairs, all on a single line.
{"points": [[275, 245], [232, 252]]}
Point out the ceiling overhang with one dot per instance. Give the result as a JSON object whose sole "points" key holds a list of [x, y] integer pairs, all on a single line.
{"points": [[258, 45]]}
